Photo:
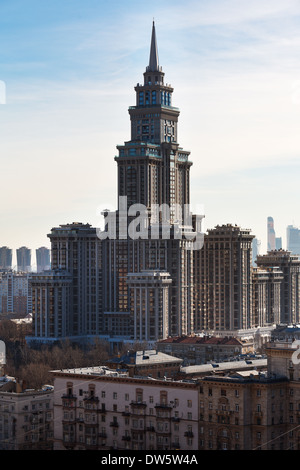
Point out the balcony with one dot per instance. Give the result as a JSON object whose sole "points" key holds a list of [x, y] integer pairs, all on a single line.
{"points": [[102, 410], [114, 424], [189, 434], [69, 397], [224, 412], [91, 399], [138, 403], [164, 405], [126, 438], [150, 429]]}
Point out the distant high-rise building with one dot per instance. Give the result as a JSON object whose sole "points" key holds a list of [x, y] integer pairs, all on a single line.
{"points": [[293, 239], [5, 258], [271, 234], [42, 259], [278, 243], [24, 259], [256, 244], [15, 293]]}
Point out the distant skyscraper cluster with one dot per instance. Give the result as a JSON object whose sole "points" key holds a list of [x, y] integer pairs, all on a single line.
{"points": [[15, 286], [149, 286], [24, 259]]}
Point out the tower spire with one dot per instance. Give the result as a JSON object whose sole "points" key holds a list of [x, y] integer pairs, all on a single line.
{"points": [[153, 60]]}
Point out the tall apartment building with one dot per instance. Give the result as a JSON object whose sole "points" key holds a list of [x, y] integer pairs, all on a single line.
{"points": [[24, 259], [266, 296], [5, 258], [289, 265], [223, 284], [15, 293], [42, 259], [67, 299], [51, 297]]}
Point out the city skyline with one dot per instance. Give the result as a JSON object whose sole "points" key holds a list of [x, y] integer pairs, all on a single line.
{"points": [[69, 75]]}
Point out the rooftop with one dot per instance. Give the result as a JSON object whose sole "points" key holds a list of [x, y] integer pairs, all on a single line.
{"points": [[147, 357], [202, 340]]}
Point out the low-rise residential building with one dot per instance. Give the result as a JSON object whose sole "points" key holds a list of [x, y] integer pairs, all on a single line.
{"points": [[147, 363], [99, 408], [201, 349], [26, 416]]}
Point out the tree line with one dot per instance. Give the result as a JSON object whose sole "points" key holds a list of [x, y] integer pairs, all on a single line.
{"points": [[33, 364]]}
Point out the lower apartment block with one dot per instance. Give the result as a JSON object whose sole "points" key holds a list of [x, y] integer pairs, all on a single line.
{"points": [[104, 409], [97, 408]]}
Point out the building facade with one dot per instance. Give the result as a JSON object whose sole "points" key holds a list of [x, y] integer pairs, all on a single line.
{"points": [[24, 259], [105, 410], [266, 290], [202, 349], [5, 258], [223, 284], [42, 259], [15, 293], [293, 239], [289, 265], [26, 417]]}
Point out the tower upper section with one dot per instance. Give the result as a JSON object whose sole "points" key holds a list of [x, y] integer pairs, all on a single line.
{"points": [[152, 168], [153, 118]]}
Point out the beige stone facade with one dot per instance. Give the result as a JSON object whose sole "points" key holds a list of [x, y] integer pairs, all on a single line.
{"points": [[26, 417], [101, 409]]}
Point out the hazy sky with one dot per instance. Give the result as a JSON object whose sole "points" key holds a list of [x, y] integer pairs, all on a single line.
{"points": [[69, 69]]}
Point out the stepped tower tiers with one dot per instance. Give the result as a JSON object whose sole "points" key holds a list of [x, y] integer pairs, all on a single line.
{"points": [[152, 168], [148, 280]]}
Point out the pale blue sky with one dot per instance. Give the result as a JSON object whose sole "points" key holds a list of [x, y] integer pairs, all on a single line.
{"points": [[70, 69]]}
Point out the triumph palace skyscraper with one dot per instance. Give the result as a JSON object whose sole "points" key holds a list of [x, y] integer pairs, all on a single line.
{"points": [[132, 281], [148, 277]]}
